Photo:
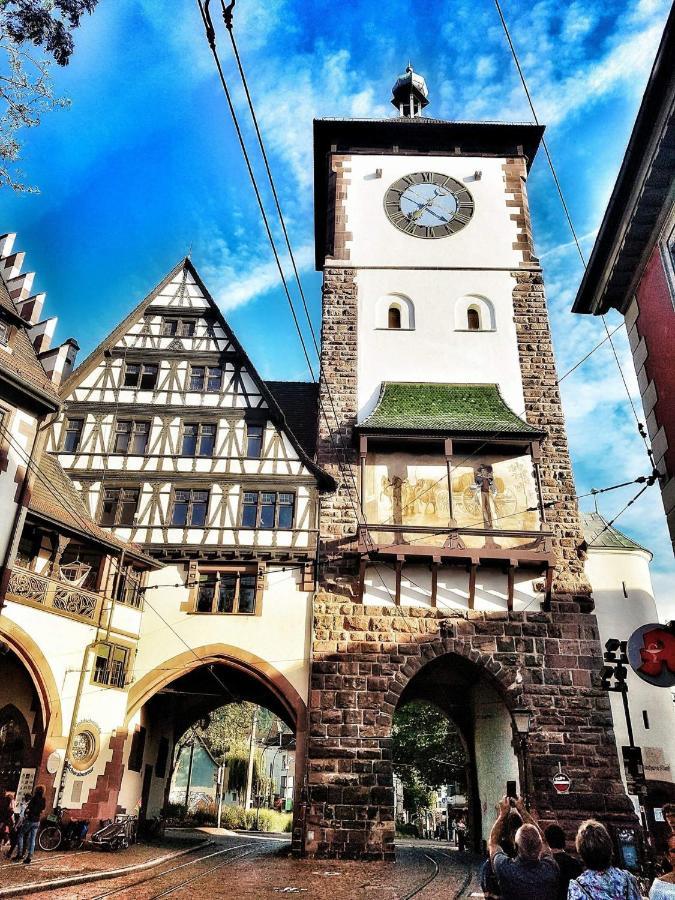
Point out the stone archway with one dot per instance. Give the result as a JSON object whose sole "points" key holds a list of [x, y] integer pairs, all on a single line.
{"points": [[240, 675]]}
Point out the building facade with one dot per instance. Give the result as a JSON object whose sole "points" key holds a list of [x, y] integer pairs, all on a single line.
{"points": [[453, 546], [632, 265]]}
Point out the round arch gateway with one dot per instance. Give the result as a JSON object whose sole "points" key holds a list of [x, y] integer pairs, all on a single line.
{"points": [[474, 701], [183, 690]]}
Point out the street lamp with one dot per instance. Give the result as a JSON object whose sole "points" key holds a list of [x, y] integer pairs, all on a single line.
{"points": [[522, 722]]}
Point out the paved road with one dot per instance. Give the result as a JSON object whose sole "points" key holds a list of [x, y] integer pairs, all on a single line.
{"points": [[256, 867]]}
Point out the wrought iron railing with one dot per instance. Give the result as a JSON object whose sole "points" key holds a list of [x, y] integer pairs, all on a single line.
{"points": [[71, 601]]}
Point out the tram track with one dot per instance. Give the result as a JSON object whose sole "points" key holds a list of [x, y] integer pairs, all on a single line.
{"points": [[460, 892], [155, 876]]}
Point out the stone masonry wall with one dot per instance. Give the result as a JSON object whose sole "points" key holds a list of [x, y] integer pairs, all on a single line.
{"points": [[337, 416], [543, 407], [363, 658]]}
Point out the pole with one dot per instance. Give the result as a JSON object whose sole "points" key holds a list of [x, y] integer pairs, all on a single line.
{"points": [[629, 724], [187, 789], [251, 750], [221, 782]]}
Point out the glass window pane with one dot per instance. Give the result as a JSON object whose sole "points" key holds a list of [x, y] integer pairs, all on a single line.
{"points": [[189, 440], [215, 379], [131, 375], [122, 433], [139, 443], [187, 329], [228, 589], [148, 378], [73, 434], [286, 510], [128, 507], [247, 594], [197, 374], [267, 510], [207, 440], [198, 512], [169, 327], [180, 509], [206, 592], [109, 508], [250, 510], [254, 441]]}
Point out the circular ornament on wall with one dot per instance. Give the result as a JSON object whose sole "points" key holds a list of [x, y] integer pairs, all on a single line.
{"points": [[428, 205], [84, 748]]}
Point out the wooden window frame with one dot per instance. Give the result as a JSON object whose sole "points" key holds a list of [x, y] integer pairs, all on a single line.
{"points": [[179, 330], [134, 423], [254, 571], [118, 506], [277, 506], [206, 379], [198, 439], [142, 367], [67, 431], [190, 506], [112, 680], [262, 427]]}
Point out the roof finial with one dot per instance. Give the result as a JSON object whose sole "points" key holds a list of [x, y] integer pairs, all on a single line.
{"points": [[410, 94]]}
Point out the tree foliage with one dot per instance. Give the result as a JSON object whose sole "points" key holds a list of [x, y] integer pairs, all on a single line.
{"points": [[427, 750], [26, 91], [229, 727]]}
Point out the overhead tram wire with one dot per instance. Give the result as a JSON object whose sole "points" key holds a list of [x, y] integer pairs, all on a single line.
{"points": [[229, 24], [561, 195], [56, 493], [210, 35]]}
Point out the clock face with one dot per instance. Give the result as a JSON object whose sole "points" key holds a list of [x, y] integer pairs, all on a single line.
{"points": [[428, 205]]}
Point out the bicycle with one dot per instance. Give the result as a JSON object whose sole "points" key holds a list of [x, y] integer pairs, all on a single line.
{"points": [[54, 832]]}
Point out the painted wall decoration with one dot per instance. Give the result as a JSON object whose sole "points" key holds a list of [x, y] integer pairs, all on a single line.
{"points": [[488, 492]]}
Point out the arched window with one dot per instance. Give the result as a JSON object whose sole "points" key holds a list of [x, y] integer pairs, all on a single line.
{"points": [[472, 319], [394, 317]]}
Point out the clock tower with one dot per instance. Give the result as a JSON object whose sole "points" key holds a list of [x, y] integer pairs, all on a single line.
{"points": [[452, 550]]}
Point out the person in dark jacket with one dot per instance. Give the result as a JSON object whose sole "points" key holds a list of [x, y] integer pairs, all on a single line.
{"points": [[533, 874], [570, 867], [6, 815], [31, 823]]}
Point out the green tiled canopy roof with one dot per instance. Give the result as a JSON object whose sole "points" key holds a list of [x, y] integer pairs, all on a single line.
{"points": [[602, 536], [448, 408]]}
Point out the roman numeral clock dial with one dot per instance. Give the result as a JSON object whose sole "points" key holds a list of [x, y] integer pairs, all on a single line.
{"points": [[428, 205]]}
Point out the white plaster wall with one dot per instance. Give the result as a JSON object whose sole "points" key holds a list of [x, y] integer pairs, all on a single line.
{"points": [[496, 761], [435, 351], [485, 242], [280, 635], [452, 587], [618, 616]]}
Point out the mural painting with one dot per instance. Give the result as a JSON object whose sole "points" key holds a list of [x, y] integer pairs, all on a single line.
{"points": [[488, 492]]}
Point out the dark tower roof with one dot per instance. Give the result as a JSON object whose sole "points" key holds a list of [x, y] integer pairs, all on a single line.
{"points": [[410, 94]]}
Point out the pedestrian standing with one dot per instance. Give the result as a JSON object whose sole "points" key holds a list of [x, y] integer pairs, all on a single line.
{"points": [[533, 874], [31, 822], [460, 827], [601, 880], [570, 867], [664, 887], [6, 816]]}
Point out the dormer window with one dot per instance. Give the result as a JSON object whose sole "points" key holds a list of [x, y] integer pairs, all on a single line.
{"points": [[394, 317]]}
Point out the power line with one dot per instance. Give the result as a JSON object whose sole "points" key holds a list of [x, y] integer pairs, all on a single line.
{"points": [[570, 222]]}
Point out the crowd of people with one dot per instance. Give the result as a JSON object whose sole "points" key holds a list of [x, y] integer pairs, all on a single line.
{"points": [[527, 863], [19, 823]]}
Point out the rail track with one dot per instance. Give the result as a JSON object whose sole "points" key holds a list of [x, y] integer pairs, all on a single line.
{"points": [[170, 870], [418, 890]]}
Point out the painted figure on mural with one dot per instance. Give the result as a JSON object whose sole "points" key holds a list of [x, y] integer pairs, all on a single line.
{"points": [[484, 487]]}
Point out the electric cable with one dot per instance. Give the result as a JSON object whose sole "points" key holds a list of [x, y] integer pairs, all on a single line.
{"points": [[570, 222]]}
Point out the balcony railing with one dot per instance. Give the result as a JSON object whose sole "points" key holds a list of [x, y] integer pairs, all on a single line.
{"points": [[26, 586], [470, 544]]}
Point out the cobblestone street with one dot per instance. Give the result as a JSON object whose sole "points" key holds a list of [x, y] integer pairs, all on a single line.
{"points": [[254, 866]]}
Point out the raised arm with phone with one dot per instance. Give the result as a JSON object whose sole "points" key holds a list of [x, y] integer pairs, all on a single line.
{"points": [[533, 874]]}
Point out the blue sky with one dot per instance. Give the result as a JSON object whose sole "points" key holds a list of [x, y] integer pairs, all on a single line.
{"points": [[145, 165]]}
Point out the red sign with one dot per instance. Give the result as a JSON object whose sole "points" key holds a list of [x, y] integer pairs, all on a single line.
{"points": [[561, 783], [651, 653]]}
